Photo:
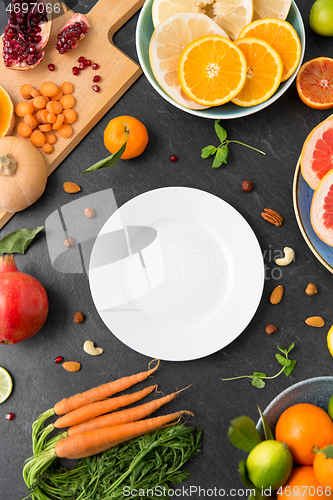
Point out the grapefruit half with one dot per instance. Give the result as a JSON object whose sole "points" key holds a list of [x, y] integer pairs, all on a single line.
{"points": [[321, 214], [317, 153]]}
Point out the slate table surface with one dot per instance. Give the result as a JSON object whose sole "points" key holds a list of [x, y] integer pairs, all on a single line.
{"points": [[280, 131]]}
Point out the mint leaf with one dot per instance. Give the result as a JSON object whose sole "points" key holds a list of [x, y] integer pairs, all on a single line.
{"points": [[285, 351], [288, 369], [18, 241], [243, 434], [220, 131], [208, 151], [221, 156], [258, 382], [110, 161], [283, 361], [291, 348]]}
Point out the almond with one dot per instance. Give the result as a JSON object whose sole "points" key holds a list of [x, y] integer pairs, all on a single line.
{"points": [[78, 317], [71, 187], [316, 321], [276, 295], [71, 366]]}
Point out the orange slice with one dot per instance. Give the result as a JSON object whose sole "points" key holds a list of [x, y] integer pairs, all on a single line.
{"points": [[282, 37], [264, 72], [212, 70], [314, 83], [7, 120]]}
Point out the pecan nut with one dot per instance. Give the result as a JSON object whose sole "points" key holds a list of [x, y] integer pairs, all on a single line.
{"points": [[272, 216]]}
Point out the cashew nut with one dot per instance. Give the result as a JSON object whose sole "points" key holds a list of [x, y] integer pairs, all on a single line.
{"points": [[288, 257], [89, 348]]}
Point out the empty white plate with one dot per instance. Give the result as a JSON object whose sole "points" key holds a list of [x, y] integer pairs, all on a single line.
{"points": [[176, 273]]}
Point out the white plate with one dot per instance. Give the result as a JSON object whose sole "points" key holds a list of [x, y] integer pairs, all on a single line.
{"points": [[176, 273]]}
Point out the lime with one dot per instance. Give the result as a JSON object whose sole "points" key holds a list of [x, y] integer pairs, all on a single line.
{"points": [[321, 17], [330, 340], [269, 464], [330, 407], [6, 384]]}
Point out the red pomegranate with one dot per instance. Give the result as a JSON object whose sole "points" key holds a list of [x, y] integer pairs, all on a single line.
{"points": [[26, 34], [23, 303], [72, 33]]}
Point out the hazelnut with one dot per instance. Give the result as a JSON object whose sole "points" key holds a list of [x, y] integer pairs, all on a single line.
{"points": [[78, 317], [69, 242], [270, 329], [89, 212], [247, 185], [311, 289]]}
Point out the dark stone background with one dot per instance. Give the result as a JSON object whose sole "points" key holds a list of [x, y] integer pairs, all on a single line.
{"points": [[280, 131]]}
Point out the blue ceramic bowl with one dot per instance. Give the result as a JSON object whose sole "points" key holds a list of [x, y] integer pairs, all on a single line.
{"points": [[316, 391], [144, 32]]}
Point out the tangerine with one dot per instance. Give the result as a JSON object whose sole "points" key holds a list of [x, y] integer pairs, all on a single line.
{"points": [[126, 127], [323, 467], [303, 484], [305, 428]]}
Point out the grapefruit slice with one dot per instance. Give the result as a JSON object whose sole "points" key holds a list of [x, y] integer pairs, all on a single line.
{"points": [[271, 8], [314, 83], [321, 214], [167, 43], [317, 153]]}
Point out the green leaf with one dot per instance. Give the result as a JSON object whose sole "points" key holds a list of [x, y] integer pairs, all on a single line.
{"points": [[108, 162], [259, 375], [220, 131], [244, 476], [283, 361], [221, 156], [267, 431], [243, 434], [328, 451], [288, 369], [208, 151], [285, 351], [258, 382], [18, 241], [291, 348]]}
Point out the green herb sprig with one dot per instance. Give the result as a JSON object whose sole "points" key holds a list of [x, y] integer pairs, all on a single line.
{"points": [[18, 241], [258, 377], [221, 152]]}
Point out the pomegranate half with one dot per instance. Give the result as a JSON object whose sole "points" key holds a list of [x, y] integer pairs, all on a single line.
{"points": [[26, 34], [72, 33], [23, 303]]}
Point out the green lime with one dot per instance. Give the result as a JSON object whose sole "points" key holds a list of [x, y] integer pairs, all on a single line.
{"points": [[269, 464], [321, 17], [6, 384], [330, 407]]}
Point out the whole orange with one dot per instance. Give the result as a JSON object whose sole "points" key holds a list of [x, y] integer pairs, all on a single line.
{"points": [[302, 484], [305, 428], [124, 127], [323, 468]]}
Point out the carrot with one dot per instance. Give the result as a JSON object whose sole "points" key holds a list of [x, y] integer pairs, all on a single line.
{"points": [[89, 443], [88, 412], [102, 392], [122, 417]]}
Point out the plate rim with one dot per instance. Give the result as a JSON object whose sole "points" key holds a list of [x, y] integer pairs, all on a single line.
{"points": [[262, 276], [305, 235]]}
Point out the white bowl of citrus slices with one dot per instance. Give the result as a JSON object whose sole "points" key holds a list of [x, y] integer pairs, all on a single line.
{"points": [[220, 58]]}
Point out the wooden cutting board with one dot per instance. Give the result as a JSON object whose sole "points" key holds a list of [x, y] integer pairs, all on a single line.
{"points": [[117, 71]]}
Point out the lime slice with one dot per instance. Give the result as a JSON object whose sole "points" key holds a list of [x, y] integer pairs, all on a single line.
{"points": [[330, 407], [6, 384]]}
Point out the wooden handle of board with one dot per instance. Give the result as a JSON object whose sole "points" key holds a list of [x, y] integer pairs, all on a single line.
{"points": [[109, 15]]}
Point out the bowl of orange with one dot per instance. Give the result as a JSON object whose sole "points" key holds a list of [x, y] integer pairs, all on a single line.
{"points": [[146, 50], [299, 418]]}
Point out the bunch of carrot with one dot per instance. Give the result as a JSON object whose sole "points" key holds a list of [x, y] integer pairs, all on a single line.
{"points": [[92, 427]]}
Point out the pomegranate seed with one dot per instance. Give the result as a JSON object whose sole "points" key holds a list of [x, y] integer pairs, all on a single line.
{"points": [[95, 88], [95, 66], [10, 416], [173, 158], [87, 62], [81, 59], [59, 359], [96, 78], [82, 65], [51, 67], [75, 70]]}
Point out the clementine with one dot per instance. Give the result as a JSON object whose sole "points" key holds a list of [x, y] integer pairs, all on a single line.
{"points": [[305, 428], [303, 484], [323, 467], [126, 127]]}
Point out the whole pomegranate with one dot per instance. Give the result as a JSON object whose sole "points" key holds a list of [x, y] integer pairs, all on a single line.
{"points": [[23, 303], [26, 34]]}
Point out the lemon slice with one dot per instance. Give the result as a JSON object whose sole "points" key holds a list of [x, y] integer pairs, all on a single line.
{"points": [[271, 8], [330, 340], [6, 384], [167, 43]]}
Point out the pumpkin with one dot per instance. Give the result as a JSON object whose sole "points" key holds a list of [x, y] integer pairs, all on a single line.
{"points": [[23, 174], [7, 122]]}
